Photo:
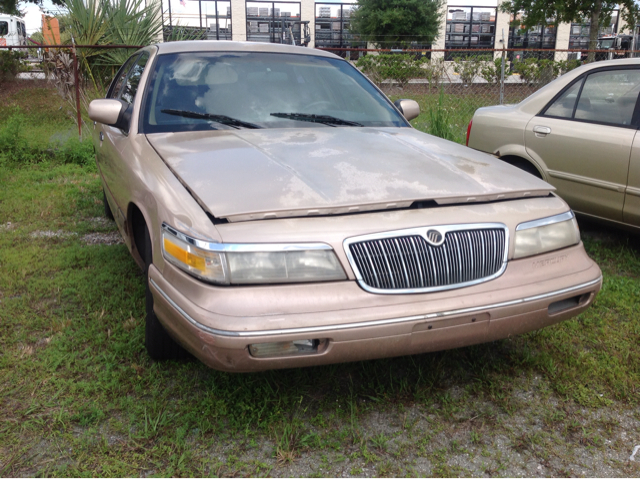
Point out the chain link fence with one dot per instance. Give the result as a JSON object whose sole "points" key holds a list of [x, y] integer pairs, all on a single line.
{"points": [[77, 72], [449, 85]]}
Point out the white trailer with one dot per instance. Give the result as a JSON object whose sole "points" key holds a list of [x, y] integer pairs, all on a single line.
{"points": [[12, 31]]}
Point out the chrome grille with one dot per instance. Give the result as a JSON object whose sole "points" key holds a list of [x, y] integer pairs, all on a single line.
{"points": [[410, 262]]}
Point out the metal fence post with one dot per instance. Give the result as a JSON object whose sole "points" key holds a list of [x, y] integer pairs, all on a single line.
{"points": [[502, 76], [75, 74]]}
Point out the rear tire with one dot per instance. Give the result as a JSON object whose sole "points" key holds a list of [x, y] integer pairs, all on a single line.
{"points": [[160, 346], [107, 209]]}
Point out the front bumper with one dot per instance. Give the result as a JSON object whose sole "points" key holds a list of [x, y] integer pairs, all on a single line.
{"points": [[356, 325]]}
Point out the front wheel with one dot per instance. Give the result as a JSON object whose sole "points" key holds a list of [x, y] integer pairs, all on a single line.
{"points": [[160, 346]]}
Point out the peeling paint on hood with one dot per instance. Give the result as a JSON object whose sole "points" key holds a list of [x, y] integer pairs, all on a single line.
{"points": [[272, 173]]}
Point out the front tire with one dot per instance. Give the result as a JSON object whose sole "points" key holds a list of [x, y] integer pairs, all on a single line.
{"points": [[160, 346]]}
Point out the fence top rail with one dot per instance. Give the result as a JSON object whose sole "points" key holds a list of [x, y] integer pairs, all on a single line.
{"points": [[475, 50], [10, 47]]}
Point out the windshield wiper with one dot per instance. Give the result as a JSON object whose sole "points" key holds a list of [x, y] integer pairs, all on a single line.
{"points": [[325, 119], [225, 120]]}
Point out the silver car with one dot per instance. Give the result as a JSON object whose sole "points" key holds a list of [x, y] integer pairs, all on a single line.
{"points": [[286, 214], [579, 133]]}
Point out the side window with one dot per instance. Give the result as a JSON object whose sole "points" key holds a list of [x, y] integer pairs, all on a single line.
{"points": [[604, 97], [133, 80], [4, 28], [563, 106], [609, 97], [116, 87]]}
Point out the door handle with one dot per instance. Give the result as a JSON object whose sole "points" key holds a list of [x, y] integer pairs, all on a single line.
{"points": [[541, 130]]}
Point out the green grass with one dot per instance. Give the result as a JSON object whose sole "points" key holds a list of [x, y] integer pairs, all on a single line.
{"points": [[80, 397], [458, 105]]}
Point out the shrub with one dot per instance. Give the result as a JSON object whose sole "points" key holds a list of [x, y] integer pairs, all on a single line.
{"points": [[492, 71], [433, 70], [16, 149], [467, 68], [11, 63], [397, 67], [537, 71], [13, 143], [76, 152]]}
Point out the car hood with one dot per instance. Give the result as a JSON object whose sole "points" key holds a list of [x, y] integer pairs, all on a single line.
{"points": [[246, 174]]}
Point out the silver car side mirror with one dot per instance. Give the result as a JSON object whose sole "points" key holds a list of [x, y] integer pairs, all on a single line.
{"points": [[409, 108], [111, 112]]}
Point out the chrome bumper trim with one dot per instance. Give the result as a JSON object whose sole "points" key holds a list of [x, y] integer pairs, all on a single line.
{"points": [[381, 322]]}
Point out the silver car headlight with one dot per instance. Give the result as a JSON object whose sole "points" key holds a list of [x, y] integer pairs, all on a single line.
{"points": [[224, 263], [546, 234]]}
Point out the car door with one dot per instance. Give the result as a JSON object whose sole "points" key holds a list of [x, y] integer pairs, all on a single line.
{"points": [[584, 139], [112, 141], [631, 211]]}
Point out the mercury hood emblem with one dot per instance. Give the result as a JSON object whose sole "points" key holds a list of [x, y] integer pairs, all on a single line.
{"points": [[434, 237]]}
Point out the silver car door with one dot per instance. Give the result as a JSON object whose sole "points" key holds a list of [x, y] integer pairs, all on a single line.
{"points": [[584, 138], [631, 212]]}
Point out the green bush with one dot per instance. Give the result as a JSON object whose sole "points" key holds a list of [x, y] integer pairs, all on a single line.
{"points": [[467, 68], [535, 71], [15, 147], [13, 143], [76, 152], [397, 67], [492, 71], [11, 63]]}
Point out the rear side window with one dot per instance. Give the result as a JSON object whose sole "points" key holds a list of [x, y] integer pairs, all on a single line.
{"points": [[563, 106], [607, 97], [4, 28]]}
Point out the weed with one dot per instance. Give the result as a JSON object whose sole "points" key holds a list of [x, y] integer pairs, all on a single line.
{"points": [[379, 441], [440, 121]]}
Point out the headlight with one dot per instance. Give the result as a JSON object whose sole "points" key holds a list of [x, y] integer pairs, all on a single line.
{"points": [[251, 263], [546, 234]]}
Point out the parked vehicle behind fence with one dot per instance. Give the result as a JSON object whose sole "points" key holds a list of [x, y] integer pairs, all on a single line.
{"points": [[579, 133], [12, 31], [286, 214]]}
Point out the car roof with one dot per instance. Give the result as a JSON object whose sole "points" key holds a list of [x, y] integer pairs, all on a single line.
{"points": [[229, 46]]}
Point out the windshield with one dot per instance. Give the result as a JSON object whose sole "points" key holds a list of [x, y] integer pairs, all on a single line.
{"points": [[192, 91], [605, 44]]}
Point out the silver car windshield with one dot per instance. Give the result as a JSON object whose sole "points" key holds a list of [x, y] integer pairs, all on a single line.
{"points": [[223, 90]]}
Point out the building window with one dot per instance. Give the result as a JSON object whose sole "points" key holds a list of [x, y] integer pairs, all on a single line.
{"points": [[470, 27], [276, 22], [333, 28], [197, 19]]}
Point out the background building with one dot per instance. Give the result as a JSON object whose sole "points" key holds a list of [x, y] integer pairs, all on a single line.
{"points": [[467, 24]]}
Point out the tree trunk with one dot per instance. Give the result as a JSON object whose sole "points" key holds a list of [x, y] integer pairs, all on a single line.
{"points": [[593, 31]]}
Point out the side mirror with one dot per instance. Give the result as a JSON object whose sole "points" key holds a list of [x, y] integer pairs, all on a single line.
{"points": [[115, 113], [409, 108]]}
